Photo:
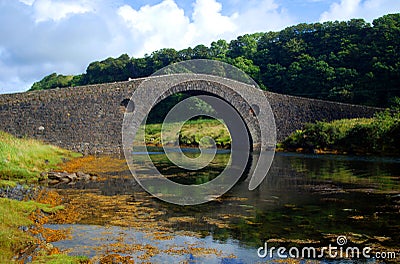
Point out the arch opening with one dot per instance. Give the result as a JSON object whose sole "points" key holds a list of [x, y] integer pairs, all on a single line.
{"points": [[220, 162], [247, 113]]}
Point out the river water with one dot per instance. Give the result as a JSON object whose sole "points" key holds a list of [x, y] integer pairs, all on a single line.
{"points": [[305, 201]]}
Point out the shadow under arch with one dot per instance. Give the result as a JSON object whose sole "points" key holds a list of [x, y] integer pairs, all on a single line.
{"points": [[225, 93]]}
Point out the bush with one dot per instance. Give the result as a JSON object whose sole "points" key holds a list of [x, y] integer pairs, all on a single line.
{"points": [[377, 135]]}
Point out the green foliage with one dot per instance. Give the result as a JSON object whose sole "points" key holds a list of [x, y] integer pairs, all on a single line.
{"points": [[352, 61], [245, 65], [395, 104], [219, 49], [51, 81], [25, 159], [14, 214], [377, 135], [159, 112], [109, 70]]}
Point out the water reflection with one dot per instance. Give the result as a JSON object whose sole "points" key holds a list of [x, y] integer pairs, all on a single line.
{"points": [[305, 200]]}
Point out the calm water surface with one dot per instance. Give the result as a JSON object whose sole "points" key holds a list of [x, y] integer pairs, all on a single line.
{"points": [[306, 200]]}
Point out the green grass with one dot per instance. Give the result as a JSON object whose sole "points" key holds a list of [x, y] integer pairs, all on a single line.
{"points": [[60, 259], [14, 214], [378, 135], [191, 133], [7, 183], [24, 159]]}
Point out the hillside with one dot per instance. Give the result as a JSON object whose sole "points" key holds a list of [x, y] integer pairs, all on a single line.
{"points": [[354, 61]]}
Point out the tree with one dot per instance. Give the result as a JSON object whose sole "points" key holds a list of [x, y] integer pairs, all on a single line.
{"points": [[274, 78], [51, 81], [348, 61], [245, 46], [201, 52], [109, 70], [247, 66], [219, 49]]}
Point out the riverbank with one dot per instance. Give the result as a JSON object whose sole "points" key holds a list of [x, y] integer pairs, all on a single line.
{"points": [[22, 160], [25, 208], [23, 237], [306, 200], [191, 134], [147, 229], [361, 136]]}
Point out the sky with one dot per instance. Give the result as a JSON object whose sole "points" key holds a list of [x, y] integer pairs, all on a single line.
{"points": [[39, 37]]}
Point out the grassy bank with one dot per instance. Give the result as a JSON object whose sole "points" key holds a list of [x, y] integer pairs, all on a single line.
{"points": [[191, 133], [13, 215], [378, 136], [16, 241], [24, 159]]}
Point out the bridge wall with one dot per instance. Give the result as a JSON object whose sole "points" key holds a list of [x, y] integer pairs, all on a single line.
{"points": [[88, 119]]}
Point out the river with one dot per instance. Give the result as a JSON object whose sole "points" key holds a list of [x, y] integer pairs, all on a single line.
{"points": [[305, 201]]}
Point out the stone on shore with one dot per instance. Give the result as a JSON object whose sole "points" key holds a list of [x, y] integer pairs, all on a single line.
{"points": [[58, 177]]}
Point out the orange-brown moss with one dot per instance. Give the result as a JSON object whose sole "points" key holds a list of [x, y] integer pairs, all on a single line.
{"points": [[43, 236], [70, 215], [90, 164], [49, 197], [115, 258]]}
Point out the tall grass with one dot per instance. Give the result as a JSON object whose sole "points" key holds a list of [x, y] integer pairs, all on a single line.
{"points": [[377, 135], [24, 159]]}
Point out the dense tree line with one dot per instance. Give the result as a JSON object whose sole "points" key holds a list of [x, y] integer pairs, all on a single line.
{"points": [[354, 61]]}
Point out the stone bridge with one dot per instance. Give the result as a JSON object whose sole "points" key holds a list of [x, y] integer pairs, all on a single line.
{"points": [[88, 119]]}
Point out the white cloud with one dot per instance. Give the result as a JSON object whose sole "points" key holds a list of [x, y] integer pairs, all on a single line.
{"points": [[27, 2], [64, 36], [154, 27], [57, 10], [264, 15], [30, 50], [207, 18], [165, 24], [367, 9]]}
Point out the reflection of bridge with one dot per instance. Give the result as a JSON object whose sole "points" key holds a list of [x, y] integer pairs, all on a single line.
{"points": [[88, 119]]}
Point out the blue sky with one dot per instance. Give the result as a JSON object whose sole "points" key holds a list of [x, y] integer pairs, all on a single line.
{"points": [[39, 37]]}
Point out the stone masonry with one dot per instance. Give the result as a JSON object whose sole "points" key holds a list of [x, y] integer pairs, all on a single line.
{"points": [[88, 119]]}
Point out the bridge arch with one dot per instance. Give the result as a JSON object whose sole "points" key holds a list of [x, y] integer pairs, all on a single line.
{"points": [[223, 92]]}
